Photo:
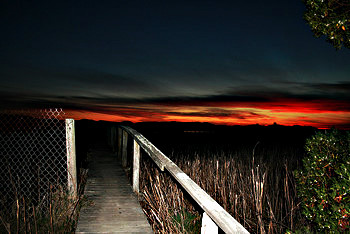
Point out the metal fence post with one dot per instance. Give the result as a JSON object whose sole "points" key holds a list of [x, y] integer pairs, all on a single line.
{"points": [[71, 157], [136, 168]]}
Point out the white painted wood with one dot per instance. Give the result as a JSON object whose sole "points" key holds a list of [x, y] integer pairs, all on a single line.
{"points": [[71, 157], [157, 156], [124, 149], [136, 168], [208, 226], [218, 214]]}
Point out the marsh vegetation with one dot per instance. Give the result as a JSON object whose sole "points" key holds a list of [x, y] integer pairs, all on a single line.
{"points": [[250, 176]]}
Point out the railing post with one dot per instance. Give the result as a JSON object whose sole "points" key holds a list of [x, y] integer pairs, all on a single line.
{"points": [[215, 215], [124, 149], [208, 225], [119, 152], [112, 138], [136, 168], [71, 157]]}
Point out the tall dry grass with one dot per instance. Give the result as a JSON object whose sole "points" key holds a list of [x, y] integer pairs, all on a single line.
{"points": [[57, 212], [165, 204], [254, 184]]}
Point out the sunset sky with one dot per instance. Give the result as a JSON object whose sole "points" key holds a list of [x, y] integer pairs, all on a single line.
{"points": [[224, 62]]}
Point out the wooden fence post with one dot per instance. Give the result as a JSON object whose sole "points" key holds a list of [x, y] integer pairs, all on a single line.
{"points": [[113, 138], [208, 225], [119, 150], [136, 168], [124, 149], [215, 216], [71, 157]]}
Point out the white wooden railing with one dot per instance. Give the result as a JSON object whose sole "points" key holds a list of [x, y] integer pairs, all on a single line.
{"points": [[214, 215]]}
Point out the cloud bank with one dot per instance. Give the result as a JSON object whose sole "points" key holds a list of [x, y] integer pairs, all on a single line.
{"points": [[320, 104]]}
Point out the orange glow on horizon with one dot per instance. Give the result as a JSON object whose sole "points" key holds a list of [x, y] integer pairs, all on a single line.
{"points": [[287, 114]]}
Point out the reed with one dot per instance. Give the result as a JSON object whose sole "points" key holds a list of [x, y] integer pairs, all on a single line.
{"points": [[57, 212], [256, 186]]}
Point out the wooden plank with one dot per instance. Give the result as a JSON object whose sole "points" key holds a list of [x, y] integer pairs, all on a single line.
{"points": [[157, 156], [115, 208], [218, 214], [208, 226]]}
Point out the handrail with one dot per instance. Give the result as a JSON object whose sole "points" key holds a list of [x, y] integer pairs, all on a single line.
{"points": [[211, 208], [158, 157]]}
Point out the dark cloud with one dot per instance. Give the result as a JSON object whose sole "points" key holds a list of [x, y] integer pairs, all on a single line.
{"points": [[217, 113], [334, 97], [338, 88], [245, 105], [71, 81]]}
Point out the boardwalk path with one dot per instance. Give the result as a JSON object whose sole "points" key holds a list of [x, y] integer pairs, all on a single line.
{"points": [[115, 208]]}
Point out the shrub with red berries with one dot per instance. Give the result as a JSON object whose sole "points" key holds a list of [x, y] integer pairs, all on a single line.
{"points": [[324, 181]]}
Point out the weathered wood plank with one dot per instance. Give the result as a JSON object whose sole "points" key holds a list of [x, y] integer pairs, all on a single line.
{"points": [[71, 157], [115, 207], [208, 226], [157, 156], [218, 214]]}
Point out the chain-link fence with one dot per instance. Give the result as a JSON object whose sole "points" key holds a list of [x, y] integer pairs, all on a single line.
{"points": [[32, 154]]}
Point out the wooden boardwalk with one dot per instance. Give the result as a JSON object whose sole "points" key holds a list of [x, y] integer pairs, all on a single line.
{"points": [[115, 207]]}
